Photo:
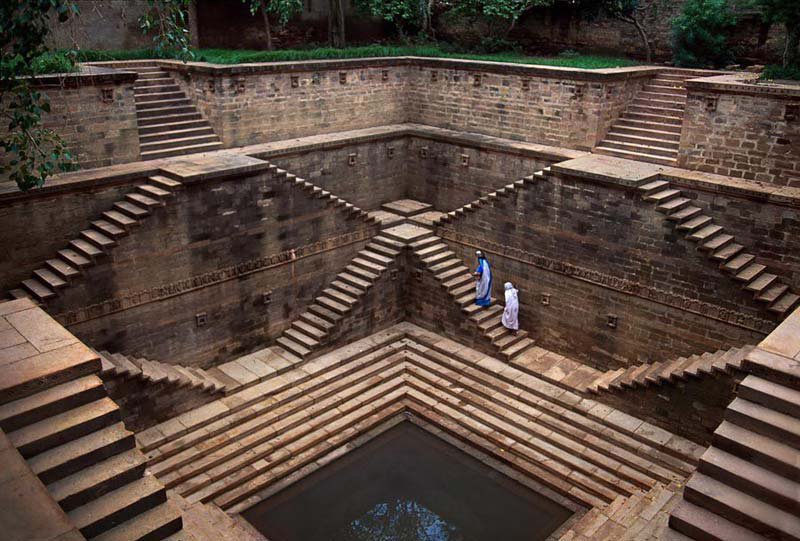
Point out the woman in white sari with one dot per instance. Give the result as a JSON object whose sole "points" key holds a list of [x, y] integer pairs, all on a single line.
{"points": [[510, 318]]}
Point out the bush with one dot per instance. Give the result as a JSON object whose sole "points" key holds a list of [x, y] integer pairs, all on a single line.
{"points": [[700, 34], [779, 72]]}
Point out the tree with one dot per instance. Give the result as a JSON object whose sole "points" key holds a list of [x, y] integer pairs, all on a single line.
{"points": [[336, 22], [31, 152], [283, 9], [700, 34], [632, 12], [405, 14], [787, 13], [169, 19], [508, 10]]}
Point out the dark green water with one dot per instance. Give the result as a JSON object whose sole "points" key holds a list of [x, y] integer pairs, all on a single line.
{"points": [[407, 485]]}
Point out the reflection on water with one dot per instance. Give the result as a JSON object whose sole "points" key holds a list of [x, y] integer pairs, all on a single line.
{"points": [[406, 485], [399, 520]]}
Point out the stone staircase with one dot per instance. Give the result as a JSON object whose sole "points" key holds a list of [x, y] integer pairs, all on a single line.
{"points": [[673, 370], [491, 197], [316, 192], [123, 366], [261, 438], [458, 282], [721, 247], [97, 240], [747, 485], [169, 123], [649, 129], [325, 314], [63, 423]]}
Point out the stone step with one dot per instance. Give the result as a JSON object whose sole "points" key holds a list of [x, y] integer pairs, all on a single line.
{"points": [[347, 289], [69, 458], [39, 290], [324, 381], [753, 480], [309, 330], [321, 312], [614, 135], [301, 338], [154, 192], [142, 200], [98, 480], [153, 80], [165, 183], [432, 250], [699, 221], [178, 141], [759, 450], [661, 197], [155, 89], [602, 383], [146, 105], [727, 252], [167, 120], [483, 313], [332, 304], [717, 243], [741, 508], [517, 348], [361, 273], [646, 133], [627, 154], [368, 266], [63, 268], [385, 251], [640, 106], [674, 205], [181, 151], [340, 297], [109, 229], [663, 88], [49, 402], [738, 263], [120, 219], [764, 421], [438, 257], [152, 132], [58, 429], [459, 280], [114, 508], [98, 239], [649, 125], [650, 116], [168, 111], [131, 210], [293, 347], [699, 523], [637, 148], [760, 284], [675, 101], [49, 278], [455, 272], [322, 325], [750, 272], [375, 257], [705, 234], [160, 522], [772, 293], [654, 186], [785, 304], [388, 242], [353, 281], [125, 367], [149, 94]]}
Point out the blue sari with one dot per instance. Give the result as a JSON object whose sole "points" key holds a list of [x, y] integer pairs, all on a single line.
{"points": [[483, 289]]}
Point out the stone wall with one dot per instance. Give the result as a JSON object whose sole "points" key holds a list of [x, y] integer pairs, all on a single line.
{"points": [[597, 251], [742, 130], [107, 25], [94, 113]]}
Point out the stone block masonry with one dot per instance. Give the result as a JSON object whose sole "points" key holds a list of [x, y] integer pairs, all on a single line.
{"points": [[744, 130]]}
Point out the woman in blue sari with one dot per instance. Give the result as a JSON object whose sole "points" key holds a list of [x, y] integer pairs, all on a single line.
{"points": [[483, 288]]}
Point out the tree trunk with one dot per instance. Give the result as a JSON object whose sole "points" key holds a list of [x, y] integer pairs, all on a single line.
{"points": [[336, 36], [791, 54], [266, 25], [645, 38]]}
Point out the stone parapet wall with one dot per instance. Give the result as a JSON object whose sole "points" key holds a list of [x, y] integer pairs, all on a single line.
{"points": [[739, 129]]}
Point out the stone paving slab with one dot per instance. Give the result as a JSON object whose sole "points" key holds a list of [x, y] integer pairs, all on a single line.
{"points": [[406, 207], [385, 218], [407, 233]]}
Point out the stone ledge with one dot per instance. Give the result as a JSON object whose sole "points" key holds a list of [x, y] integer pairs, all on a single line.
{"points": [[742, 83], [87, 76]]}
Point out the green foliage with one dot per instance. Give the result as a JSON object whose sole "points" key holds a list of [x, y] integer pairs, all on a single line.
{"points": [[229, 56], [168, 19], [31, 152], [787, 13], [510, 10], [780, 72], [282, 9], [700, 34], [405, 14]]}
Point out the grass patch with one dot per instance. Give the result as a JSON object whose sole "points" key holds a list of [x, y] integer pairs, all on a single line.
{"points": [[779, 72], [228, 56]]}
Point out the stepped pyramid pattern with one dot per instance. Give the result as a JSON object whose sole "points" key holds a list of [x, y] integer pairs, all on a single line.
{"points": [[56, 412], [148, 371], [673, 370], [747, 485], [649, 130], [721, 247], [169, 123], [97, 240], [234, 451]]}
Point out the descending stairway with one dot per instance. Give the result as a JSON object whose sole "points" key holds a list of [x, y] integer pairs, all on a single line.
{"points": [[680, 369], [649, 129], [721, 247], [268, 432], [169, 123], [459, 283], [123, 366], [71, 436], [747, 486], [318, 193], [314, 326], [96, 241], [491, 197]]}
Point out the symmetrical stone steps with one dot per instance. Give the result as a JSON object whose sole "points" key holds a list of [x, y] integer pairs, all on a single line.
{"points": [[95, 242], [70, 434], [313, 327], [169, 123], [721, 247], [458, 282], [284, 424], [318, 193], [649, 128], [670, 371], [489, 198], [747, 485], [124, 366]]}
